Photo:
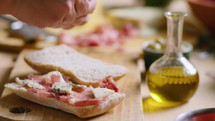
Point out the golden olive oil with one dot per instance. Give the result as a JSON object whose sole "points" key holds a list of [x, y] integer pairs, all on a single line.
{"points": [[172, 84]]}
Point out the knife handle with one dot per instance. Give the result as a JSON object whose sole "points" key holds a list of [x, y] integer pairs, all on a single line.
{"points": [[8, 19], [27, 32]]}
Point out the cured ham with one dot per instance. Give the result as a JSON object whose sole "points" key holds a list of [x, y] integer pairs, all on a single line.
{"points": [[104, 35], [58, 86]]}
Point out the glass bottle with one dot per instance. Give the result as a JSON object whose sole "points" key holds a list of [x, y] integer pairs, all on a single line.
{"points": [[172, 78]]}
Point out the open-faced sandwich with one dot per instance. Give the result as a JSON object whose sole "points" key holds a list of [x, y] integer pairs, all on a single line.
{"points": [[73, 82]]}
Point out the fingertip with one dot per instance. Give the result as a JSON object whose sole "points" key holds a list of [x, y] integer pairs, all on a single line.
{"points": [[81, 20], [68, 27], [92, 5], [42, 26]]}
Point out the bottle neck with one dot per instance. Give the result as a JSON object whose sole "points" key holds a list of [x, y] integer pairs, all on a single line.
{"points": [[174, 35]]}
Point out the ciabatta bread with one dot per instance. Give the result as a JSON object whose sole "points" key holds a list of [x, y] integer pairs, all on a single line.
{"points": [[78, 101], [81, 68], [81, 112]]}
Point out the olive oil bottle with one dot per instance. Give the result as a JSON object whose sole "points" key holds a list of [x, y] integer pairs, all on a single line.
{"points": [[172, 84], [172, 78]]}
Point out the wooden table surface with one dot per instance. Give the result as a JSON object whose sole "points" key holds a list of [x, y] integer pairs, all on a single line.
{"points": [[7, 60], [203, 98], [129, 84]]}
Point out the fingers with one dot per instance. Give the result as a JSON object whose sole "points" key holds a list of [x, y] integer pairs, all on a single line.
{"points": [[92, 5], [76, 14], [84, 7], [70, 17], [79, 21]]}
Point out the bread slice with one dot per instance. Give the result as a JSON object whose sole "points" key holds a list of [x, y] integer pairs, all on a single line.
{"points": [[81, 68], [81, 112]]}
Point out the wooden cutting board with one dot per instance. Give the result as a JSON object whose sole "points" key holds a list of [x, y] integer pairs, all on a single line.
{"points": [[129, 110]]}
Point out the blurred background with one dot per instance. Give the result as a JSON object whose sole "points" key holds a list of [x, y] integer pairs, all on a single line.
{"points": [[131, 21]]}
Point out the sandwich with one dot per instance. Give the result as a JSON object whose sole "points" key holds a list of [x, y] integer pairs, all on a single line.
{"points": [[81, 68], [70, 81]]}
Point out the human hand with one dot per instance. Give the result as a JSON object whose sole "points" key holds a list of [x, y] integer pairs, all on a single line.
{"points": [[54, 13]]}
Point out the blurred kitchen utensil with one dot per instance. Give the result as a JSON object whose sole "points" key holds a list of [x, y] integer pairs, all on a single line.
{"points": [[27, 32], [151, 55], [204, 11], [207, 114], [156, 3]]}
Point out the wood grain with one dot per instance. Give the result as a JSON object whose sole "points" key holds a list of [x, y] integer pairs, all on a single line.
{"points": [[6, 65], [129, 110]]}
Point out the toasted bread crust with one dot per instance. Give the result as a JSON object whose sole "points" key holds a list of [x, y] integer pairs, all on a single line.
{"points": [[81, 112], [81, 68]]}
